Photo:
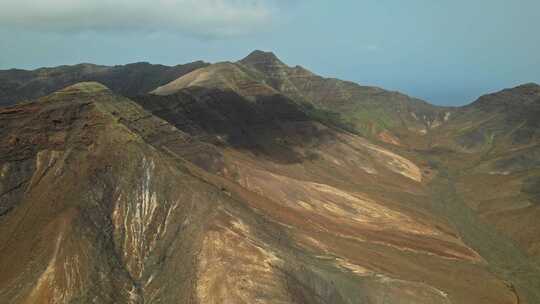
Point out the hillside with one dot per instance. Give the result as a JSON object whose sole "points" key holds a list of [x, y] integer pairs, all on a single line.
{"points": [[496, 150], [128, 80], [369, 111], [253, 181]]}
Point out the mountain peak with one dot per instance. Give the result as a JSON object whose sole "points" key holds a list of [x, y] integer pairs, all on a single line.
{"points": [[258, 58]]}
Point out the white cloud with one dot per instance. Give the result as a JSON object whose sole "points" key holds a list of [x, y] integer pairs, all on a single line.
{"points": [[199, 17]]}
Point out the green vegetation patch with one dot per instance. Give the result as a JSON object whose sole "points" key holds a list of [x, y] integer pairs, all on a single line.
{"points": [[328, 118]]}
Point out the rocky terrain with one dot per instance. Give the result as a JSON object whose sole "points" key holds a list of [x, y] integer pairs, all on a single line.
{"points": [[256, 182]]}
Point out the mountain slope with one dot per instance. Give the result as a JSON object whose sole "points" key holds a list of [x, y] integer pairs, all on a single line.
{"points": [[507, 117], [250, 182], [98, 215], [83, 223], [491, 143], [321, 156], [129, 80], [496, 146], [367, 110], [103, 201]]}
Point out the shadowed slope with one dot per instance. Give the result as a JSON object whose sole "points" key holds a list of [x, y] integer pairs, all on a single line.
{"points": [[370, 110], [128, 80], [387, 116]]}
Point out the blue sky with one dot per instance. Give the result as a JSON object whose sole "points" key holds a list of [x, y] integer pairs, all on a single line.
{"points": [[446, 52]]}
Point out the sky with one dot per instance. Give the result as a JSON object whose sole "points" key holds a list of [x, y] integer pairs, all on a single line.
{"points": [[447, 52]]}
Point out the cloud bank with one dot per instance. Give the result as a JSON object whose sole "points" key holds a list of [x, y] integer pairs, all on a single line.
{"points": [[213, 18]]}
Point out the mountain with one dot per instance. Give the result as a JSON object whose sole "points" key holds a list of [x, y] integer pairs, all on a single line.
{"points": [[88, 204], [102, 202], [238, 183], [369, 111], [467, 150], [496, 155], [129, 80], [510, 115]]}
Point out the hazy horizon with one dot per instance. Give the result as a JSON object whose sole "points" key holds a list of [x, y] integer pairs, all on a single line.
{"points": [[445, 53]]}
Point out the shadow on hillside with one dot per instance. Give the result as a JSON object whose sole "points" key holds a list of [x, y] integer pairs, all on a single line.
{"points": [[272, 126]]}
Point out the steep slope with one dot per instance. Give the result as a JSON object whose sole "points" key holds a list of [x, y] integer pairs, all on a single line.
{"points": [[96, 214], [250, 182], [89, 209], [489, 144], [388, 116], [370, 110], [496, 143], [128, 80], [222, 76], [508, 118], [104, 202], [362, 204]]}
